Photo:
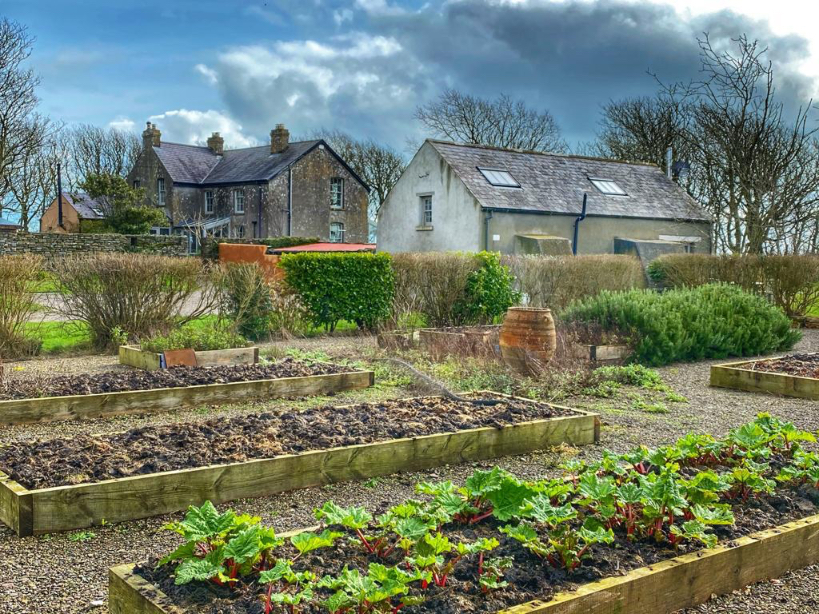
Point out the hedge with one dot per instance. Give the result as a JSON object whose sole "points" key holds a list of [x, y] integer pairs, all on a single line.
{"points": [[792, 281], [357, 287], [688, 324]]}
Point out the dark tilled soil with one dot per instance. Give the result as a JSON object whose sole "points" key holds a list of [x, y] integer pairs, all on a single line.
{"points": [[530, 578], [88, 458], [138, 379], [799, 365]]}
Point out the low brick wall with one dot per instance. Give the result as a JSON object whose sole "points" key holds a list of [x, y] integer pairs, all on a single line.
{"points": [[210, 246], [53, 245]]}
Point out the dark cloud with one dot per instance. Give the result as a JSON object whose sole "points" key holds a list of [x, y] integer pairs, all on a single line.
{"points": [[569, 57]]}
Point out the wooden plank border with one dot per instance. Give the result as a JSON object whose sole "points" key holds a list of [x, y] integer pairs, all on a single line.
{"points": [[79, 407], [682, 582], [740, 376], [134, 356], [63, 508]]}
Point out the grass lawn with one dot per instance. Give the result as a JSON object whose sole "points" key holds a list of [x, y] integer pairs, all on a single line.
{"points": [[60, 337]]}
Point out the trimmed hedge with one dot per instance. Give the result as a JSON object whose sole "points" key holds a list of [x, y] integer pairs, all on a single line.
{"points": [[357, 287], [791, 280], [710, 321]]}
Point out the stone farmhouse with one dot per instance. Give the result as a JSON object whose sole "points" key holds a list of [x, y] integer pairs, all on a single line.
{"points": [[473, 197], [284, 188]]}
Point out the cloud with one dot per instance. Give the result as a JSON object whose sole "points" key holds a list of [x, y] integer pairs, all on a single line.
{"points": [[569, 57], [122, 124], [194, 127], [209, 74]]}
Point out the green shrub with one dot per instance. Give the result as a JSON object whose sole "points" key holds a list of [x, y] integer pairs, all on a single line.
{"points": [[213, 337], [357, 287], [245, 298], [711, 321], [791, 280], [555, 282], [489, 291]]}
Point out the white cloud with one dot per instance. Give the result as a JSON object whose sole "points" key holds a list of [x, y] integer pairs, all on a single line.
{"points": [[209, 74], [194, 127], [340, 16], [122, 124], [379, 7]]}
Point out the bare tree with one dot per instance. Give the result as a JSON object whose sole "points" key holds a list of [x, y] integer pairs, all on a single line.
{"points": [[21, 129], [754, 167], [502, 122], [378, 165], [34, 182], [91, 150]]}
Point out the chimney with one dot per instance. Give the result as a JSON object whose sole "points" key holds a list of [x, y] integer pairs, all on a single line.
{"points": [[279, 139], [151, 136], [216, 144]]}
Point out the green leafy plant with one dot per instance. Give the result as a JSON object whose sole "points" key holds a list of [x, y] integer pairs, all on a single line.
{"points": [[199, 338]]}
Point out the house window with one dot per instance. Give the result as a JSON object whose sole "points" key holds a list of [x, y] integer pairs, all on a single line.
{"points": [[336, 232], [426, 210], [136, 184], [160, 191], [608, 187], [238, 201], [209, 201], [336, 193], [499, 178]]}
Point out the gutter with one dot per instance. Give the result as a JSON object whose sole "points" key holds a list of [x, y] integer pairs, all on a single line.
{"points": [[577, 221], [596, 215]]}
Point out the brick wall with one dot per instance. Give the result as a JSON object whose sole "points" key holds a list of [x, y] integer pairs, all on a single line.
{"points": [[52, 245]]}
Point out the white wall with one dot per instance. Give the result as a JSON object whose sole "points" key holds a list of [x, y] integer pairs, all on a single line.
{"points": [[456, 216]]}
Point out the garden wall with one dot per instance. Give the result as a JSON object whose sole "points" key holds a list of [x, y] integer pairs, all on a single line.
{"points": [[55, 246]]}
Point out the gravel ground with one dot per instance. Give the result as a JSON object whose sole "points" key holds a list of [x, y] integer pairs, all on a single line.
{"points": [[66, 573]]}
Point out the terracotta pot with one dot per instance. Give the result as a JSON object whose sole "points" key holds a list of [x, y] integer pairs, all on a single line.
{"points": [[527, 339]]}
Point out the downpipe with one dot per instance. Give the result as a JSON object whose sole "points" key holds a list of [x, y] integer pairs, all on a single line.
{"points": [[577, 221]]}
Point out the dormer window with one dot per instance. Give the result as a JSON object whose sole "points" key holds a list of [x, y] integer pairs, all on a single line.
{"points": [[499, 178], [608, 187]]}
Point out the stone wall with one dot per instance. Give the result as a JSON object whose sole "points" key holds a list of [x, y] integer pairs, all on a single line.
{"points": [[53, 245]]}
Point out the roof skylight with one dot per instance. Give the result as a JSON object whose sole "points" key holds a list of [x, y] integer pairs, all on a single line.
{"points": [[499, 178], [608, 187]]}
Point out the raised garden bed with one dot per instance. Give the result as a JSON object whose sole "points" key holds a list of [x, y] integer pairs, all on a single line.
{"points": [[647, 532], [796, 375], [601, 353], [77, 397], [134, 356], [397, 339], [458, 339], [171, 467]]}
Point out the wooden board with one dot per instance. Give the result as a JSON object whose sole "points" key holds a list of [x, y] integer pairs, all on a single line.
{"points": [[180, 358], [677, 583], [141, 359], [72, 507], [79, 407], [741, 376], [133, 356]]}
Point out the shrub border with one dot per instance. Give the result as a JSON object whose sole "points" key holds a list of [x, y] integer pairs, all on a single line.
{"points": [[682, 582], [106, 404], [734, 375], [62, 508]]}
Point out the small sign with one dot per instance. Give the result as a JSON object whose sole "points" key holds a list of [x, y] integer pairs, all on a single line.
{"points": [[496, 237]]}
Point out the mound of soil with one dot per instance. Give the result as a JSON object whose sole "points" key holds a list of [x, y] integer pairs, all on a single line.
{"points": [[151, 449], [138, 379], [798, 365], [530, 578]]}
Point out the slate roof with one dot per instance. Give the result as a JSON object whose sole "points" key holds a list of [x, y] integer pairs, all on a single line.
{"points": [[8, 223], [86, 207], [199, 165], [553, 183]]}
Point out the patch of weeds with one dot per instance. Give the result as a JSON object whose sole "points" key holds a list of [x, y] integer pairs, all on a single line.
{"points": [[650, 408], [673, 397], [372, 483], [471, 375], [82, 536], [603, 390], [388, 376], [308, 356]]}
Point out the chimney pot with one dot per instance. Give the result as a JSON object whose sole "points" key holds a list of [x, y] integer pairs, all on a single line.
{"points": [[279, 139], [151, 136], [216, 144]]}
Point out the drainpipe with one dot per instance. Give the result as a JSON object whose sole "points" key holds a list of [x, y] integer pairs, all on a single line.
{"points": [[289, 201], [577, 221], [487, 215], [59, 197], [258, 222]]}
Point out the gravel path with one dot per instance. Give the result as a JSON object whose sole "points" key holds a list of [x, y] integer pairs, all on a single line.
{"points": [[66, 573]]}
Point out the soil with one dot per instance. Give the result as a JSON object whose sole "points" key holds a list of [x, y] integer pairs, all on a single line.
{"points": [[139, 451], [138, 379], [798, 365], [530, 578]]}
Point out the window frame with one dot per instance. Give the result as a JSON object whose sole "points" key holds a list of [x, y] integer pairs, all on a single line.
{"points": [[160, 191], [496, 183], [340, 182], [426, 213], [236, 200], [596, 181], [340, 227], [209, 202]]}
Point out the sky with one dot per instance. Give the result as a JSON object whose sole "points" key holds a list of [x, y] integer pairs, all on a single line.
{"points": [[363, 66]]}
